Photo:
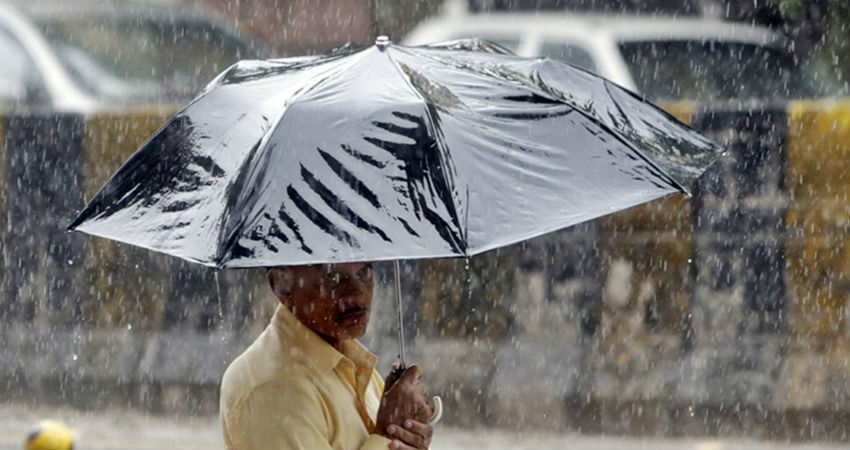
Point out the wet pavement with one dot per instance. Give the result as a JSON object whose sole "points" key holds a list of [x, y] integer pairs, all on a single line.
{"points": [[124, 429]]}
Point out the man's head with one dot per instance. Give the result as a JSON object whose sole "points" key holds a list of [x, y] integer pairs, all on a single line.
{"points": [[333, 300]]}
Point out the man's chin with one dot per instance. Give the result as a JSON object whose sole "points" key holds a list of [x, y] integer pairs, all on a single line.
{"points": [[352, 331]]}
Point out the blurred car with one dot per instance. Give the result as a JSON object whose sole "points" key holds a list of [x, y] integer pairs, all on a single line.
{"points": [[663, 58], [83, 56]]}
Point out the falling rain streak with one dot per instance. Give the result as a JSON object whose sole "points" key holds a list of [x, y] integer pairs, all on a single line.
{"points": [[720, 320]]}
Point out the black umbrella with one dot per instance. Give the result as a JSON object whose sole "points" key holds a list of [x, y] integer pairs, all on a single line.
{"points": [[390, 152]]}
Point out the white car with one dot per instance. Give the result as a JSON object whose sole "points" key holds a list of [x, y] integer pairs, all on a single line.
{"points": [[86, 55], [662, 58]]}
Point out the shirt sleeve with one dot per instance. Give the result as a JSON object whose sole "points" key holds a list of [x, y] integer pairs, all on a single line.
{"points": [[376, 442], [284, 414]]}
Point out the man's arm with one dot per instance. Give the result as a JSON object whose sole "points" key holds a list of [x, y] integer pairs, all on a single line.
{"points": [[284, 414]]}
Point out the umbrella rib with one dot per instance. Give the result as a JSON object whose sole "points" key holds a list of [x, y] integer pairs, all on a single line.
{"points": [[619, 136], [458, 243], [640, 153], [613, 132]]}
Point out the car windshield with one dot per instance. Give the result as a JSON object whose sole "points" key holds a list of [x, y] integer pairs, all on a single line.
{"points": [[137, 60], [568, 53], [714, 70]]}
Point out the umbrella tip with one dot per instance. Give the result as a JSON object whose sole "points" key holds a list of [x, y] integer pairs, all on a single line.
{"points": [[382, 42]]}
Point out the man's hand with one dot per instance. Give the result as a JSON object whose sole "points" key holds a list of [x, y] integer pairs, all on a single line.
{"points": [[414, 435], [403, 400]]}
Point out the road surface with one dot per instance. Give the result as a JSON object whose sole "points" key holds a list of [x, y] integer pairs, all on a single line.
{"points": [[125, 429]]}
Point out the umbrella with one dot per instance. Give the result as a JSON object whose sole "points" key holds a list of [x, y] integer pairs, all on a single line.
{"points": [[389, 152]]}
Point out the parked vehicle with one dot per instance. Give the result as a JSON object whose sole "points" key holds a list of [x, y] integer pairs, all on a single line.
{"points": [[663, 58], [83, 56]]}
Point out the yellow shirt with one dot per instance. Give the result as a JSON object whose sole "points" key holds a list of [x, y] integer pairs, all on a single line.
{"points": [[292, 390]]}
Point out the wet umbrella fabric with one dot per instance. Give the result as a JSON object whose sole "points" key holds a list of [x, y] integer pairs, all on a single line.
{"points": [[391, 152]]}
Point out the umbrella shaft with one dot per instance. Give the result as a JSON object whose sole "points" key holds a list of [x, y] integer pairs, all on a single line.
{"points": [[402, 364]]}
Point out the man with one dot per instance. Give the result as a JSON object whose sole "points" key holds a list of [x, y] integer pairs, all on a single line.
{"points": [[307, 383]]}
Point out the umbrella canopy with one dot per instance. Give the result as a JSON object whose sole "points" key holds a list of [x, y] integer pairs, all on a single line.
{"points": [[391, 152]]}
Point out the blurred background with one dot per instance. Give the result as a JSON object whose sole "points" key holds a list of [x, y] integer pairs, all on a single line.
{"points": [[719, 321]]}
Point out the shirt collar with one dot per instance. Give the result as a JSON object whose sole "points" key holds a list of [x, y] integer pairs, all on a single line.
{"points": [[315, 350]]}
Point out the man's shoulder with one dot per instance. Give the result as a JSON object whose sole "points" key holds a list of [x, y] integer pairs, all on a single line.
{"points": [[264, 363], [237, 385]]}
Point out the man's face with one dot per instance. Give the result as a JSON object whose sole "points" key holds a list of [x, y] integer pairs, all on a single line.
{"points": [[333, 300]]}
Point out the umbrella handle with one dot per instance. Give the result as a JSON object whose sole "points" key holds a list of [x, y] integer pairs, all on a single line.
{"points": [[437, 408], [436, 401]]}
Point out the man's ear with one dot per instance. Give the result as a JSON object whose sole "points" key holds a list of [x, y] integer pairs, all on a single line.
{"points": [[280, 280]]}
